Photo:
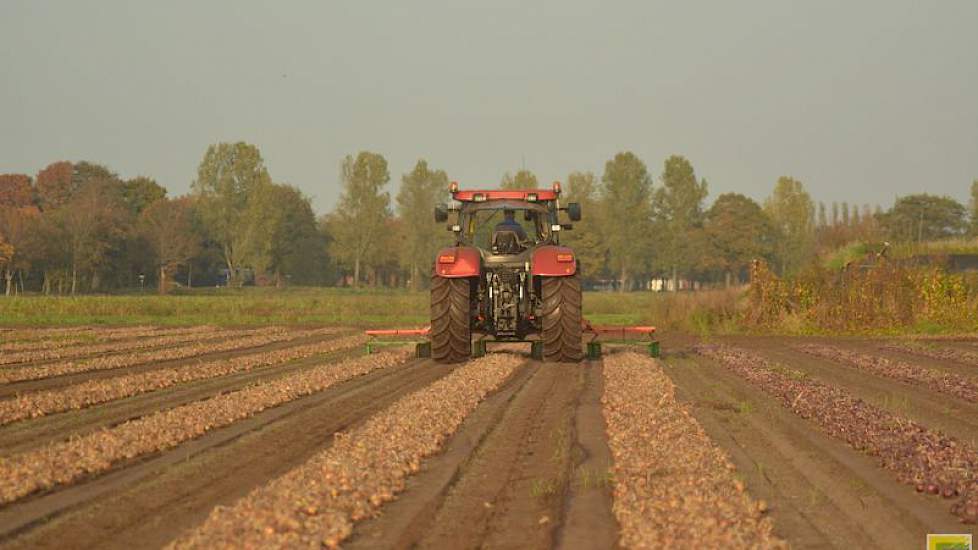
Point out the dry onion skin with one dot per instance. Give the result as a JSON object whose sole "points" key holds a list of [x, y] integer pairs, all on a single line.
{"points": [[32, 334], [65, 461], [947, 354], [929, 460], [270, 336], [65, 350], [97, 337], [672, 486], [317, 503], [93, 392], [944, 382]]}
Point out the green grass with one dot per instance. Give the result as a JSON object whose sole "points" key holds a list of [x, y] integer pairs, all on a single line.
{"points": [[335, 306]]}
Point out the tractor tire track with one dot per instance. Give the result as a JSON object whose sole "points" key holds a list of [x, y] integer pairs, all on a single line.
{"points": [[506, 479]]}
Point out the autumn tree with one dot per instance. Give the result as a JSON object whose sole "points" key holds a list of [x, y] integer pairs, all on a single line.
{"points": [[524, 179], [678, 214], [54, 185], [140, 192], [361, 214], [167, 226], [738, 231], [792, 214], [626, 212], [92, 223], [421, 189], [229, 176], [16, 190], [924, 217], [587, 237]]}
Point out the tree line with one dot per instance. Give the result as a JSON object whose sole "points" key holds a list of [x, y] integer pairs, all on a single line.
{"points": [[79, 227]]}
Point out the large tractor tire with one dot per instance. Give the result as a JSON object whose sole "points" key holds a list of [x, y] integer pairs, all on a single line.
{"points": [[561, 318], [451, 334]]}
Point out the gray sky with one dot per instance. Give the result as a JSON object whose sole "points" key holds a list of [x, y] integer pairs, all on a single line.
{"points": [[862, 101]]}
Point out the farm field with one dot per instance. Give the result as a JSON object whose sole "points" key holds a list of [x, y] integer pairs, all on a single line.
{"points": [[201, 437]]}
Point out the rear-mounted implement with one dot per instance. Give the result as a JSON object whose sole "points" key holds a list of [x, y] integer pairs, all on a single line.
{"points": [[595, 336], [381, 338], [618, 335]]}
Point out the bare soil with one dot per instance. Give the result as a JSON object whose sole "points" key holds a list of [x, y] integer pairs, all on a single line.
{"points": [[529, 467]]}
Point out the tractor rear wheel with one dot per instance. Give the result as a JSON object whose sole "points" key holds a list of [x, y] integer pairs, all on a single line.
{"points": [[561, 318], [451, 335]]}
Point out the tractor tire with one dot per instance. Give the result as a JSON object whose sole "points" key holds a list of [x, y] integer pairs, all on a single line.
{"points": [[451, 334], [561, 319]]}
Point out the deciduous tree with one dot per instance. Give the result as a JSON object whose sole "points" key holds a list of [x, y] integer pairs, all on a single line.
{"points": [[524, 179], [792, 213], [16, 190], [362, 211], [54, 185], [678, 214], [924, 217], [738, 231], [167, 226], [421, 189], [140, 192], [627, 213], [227, 179], [587, 237]]}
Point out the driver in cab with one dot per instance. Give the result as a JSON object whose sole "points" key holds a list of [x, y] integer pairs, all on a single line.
{"points": [[509, 223]]}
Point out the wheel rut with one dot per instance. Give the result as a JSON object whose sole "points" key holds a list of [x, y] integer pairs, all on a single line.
{"points": [[150, 501], [821, 493], [506, 479]]}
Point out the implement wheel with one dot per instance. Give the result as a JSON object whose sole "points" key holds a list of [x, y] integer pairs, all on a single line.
{"points": [[451, 335], [561, 318]]}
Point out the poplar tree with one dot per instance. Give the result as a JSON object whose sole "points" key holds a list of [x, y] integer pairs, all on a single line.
{"points": [[627, 215], [362, 212], [421, 189]]}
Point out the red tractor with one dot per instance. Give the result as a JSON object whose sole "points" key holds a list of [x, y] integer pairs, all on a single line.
{"points": [[507, 279]]}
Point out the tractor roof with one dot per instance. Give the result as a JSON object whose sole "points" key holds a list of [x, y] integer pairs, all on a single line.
{"points": [[529, 195]]}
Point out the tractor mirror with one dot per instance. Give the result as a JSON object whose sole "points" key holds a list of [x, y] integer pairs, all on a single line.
{"points": [[574, 211], [441, 213]]}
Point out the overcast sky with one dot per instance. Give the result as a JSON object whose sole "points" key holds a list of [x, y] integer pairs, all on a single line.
{"points": [[862, 101]]}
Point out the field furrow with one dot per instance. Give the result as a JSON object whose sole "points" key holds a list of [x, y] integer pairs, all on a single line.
{"points": [[24, 336], [936, 352], [96, 338], [317, 503], [673, 486], [927, 459], [204, 334], [86, 394], [263, 338], [67, 461], [952, 384]]}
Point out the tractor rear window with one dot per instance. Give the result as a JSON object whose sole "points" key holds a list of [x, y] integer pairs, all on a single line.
{"points": [[479, 226]]}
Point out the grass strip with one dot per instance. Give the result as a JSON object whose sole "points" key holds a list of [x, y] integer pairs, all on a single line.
{"points": [[672, 486], [317, 503], [93, 392], [67, 461], [927, 459]]}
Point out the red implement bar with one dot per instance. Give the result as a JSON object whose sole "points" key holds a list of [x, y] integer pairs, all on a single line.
{"points": [[586, 326], [399, 332]]}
